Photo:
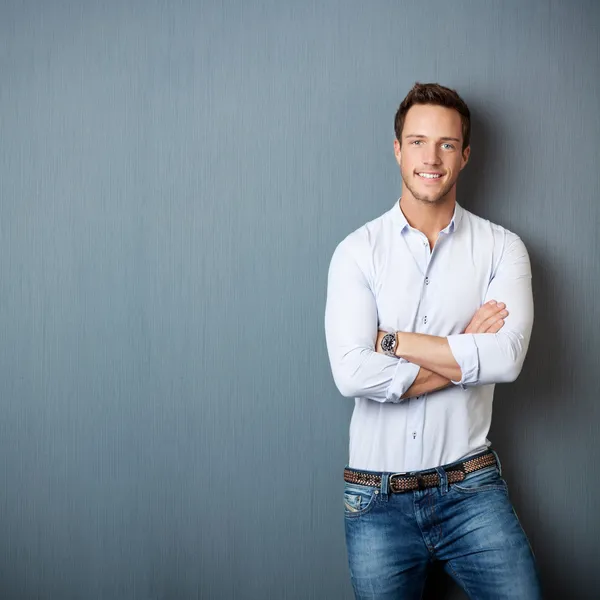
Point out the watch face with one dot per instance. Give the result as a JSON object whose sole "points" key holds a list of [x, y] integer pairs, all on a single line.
{"points": [[388, 342]]}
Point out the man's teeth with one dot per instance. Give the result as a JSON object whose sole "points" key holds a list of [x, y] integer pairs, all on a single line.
{"points": [[429, 176]]}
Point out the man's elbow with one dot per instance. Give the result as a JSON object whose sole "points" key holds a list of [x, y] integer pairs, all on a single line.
{"points": [[347, 387], [353, 386], [507, 364], [510, 372], [347, 384], [349, 374]]}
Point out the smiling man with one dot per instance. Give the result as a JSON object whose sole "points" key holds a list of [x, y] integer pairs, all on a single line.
{"points": [[428, 307]]}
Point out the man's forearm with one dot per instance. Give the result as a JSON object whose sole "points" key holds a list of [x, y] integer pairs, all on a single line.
{"points": [[429, 352], [427, 381]]}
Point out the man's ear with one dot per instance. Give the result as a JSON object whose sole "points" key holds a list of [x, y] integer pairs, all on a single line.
{"points": [[465, 156], [397, 151]]}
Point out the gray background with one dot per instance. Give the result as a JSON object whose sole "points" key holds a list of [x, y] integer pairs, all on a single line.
{"points": [[174, 177]]}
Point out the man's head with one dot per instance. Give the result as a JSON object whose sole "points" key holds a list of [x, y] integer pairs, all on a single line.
{"points": [[433, 128]]}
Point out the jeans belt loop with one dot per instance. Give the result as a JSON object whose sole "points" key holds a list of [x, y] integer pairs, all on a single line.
{"points": [[497, 461], [385, 483], [443, 479]]}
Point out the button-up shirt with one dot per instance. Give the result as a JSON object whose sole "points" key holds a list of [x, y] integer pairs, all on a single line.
{"points": [[385, 276]]}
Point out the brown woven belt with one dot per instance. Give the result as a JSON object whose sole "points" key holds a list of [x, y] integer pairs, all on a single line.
{"points": [[407, 483]]}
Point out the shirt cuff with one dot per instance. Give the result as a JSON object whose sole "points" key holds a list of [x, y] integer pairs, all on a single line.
{"points": [[465, 353], [404, 376]]}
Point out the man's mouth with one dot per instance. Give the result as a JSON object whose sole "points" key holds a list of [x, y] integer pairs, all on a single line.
{"points": [[429, 176]]}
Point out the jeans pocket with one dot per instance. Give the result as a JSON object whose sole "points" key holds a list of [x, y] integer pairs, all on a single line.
{"points": [[358, 499], [480, 481]]}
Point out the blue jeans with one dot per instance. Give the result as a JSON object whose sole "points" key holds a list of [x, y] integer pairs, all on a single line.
{"points": [[470, 527]]}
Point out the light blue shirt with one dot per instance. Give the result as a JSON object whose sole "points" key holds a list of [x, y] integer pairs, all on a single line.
{"points": [[385, 276]]}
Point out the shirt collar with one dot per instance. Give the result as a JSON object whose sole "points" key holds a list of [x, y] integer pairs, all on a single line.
{"points": [[400, 219]]}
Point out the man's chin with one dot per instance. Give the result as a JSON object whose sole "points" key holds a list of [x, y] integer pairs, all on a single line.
{"points": [[437, 197], [433, 197], [430, 199]]}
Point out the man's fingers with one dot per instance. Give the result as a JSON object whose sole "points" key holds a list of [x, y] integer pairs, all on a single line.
{"points": [[492, 324], [496, 327], [484, 313], [488, 313], [488, 318]]}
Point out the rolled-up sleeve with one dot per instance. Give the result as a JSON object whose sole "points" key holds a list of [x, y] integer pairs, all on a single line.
{"points": [[465, 352], [486, 358], [351, 326]]}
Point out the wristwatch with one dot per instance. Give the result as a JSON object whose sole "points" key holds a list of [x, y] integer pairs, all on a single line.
{"points": [[388, 343]]}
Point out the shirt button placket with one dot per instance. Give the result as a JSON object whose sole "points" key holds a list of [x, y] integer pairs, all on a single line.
{"points": [[424, 320]]}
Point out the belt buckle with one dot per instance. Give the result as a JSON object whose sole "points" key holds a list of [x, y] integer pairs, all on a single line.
{"points": [[392, 475]]}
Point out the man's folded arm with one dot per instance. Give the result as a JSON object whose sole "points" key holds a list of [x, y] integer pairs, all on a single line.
{"points": [[351, 326], [499, 357], [485, 358]]}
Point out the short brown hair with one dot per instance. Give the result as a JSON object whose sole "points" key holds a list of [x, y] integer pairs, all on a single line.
{"points": [[433, 93]]}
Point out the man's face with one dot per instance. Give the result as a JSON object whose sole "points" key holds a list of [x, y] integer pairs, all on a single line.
{"points": [[431, 144]]}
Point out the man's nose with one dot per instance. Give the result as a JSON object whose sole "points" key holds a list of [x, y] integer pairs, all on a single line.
{"points": [[431, 156]]}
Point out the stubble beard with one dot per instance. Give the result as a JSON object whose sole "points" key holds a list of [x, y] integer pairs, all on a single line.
{"points": [[433, 197]]}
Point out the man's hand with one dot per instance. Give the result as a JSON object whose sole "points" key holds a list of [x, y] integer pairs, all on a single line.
{"points": [[489, 318]]}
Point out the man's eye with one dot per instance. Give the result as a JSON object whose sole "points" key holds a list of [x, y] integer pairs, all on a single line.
{"points": [[417, 142], [449, 146]]}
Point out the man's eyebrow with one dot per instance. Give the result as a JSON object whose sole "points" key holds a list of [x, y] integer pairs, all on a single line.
{"points": [[417, 135]]}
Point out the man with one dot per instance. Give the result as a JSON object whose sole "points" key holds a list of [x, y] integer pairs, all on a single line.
{"points": [[415, 335]]}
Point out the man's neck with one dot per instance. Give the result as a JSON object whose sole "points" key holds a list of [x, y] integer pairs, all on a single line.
{"points": [[428, 218]]}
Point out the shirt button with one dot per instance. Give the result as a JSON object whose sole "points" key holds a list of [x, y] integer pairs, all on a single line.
{"points": [[414, 435], [426, 280], [425, 320]]}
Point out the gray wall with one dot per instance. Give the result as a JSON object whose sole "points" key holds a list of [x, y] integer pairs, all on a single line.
{"points": [[174, 177]]}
